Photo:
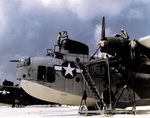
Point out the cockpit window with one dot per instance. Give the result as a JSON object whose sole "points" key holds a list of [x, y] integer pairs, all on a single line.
{"points": [[25, 61]]}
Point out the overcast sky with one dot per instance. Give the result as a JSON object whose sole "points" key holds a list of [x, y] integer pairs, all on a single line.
{"points": [[29, 27]]}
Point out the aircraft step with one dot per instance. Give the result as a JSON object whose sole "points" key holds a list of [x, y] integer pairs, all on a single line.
{"points": [[91, 85]]}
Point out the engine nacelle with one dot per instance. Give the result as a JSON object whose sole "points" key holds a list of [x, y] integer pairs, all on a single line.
{"points": [[116, 46]]}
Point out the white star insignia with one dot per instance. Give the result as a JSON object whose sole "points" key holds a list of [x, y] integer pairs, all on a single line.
{"points": [[69, 70]]}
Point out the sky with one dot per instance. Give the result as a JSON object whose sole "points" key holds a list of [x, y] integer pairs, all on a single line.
{"points": [[30, 27]]}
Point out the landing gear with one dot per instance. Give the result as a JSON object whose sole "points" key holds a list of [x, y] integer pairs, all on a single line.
{"points": [[88, 110], [83, 110]]}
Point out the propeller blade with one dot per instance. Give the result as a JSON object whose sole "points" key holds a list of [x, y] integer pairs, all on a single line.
{"points": [[103, 28]]}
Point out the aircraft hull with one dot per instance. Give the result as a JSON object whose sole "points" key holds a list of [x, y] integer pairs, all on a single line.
{"points": [[52, 95]]}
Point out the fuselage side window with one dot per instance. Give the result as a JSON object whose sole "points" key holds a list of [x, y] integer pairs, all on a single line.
{"points": [[41, 74], [50, 74]]}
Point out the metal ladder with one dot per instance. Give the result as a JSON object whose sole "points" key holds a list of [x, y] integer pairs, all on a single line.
{"points": [[91, 86]]}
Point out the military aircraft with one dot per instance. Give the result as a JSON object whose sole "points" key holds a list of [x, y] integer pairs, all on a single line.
{"points": [[14, 95], [55, 76], [67, 74]]}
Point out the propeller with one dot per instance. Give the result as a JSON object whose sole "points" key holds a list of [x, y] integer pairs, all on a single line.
{"points": [[103, 29], [102, 42], [103, 38]]}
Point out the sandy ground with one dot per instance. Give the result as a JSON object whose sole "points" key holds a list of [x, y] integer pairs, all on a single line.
{"points": [[57, 112]]}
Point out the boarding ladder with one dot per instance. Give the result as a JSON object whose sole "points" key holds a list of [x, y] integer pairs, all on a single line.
{"points": [[91, 86]]}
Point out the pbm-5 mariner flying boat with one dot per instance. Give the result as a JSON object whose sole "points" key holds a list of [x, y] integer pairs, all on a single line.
{"points": [[69, 75]]}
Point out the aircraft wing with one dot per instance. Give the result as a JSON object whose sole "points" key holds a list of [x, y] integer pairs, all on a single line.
{"points": [[144, 46], [145, 41]]}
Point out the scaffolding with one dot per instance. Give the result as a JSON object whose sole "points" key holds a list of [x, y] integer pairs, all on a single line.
{"points": [[100, 105]]}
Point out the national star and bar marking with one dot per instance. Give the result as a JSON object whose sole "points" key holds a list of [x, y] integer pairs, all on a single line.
{"points": [[69, 69]]}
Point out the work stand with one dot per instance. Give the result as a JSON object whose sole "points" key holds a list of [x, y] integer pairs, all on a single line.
{"points": [[100, 105]]}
